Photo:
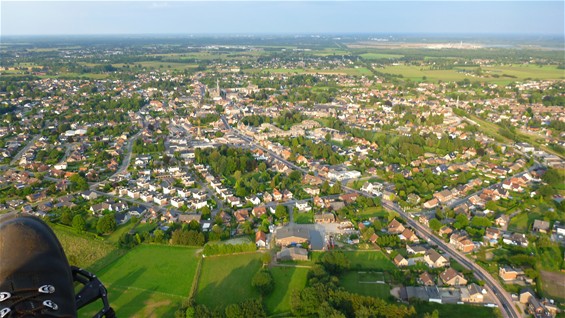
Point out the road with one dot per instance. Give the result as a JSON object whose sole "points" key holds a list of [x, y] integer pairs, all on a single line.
{"points": [[24, 150], [502, 297]]}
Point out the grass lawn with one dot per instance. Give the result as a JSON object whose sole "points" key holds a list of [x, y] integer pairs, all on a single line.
{"points": [[286, 279], [364, 284], [370, 260], [452, 310], [226, 279], [83, 250], [553, 285], [148, 281], [376, 211], [304, 217]]}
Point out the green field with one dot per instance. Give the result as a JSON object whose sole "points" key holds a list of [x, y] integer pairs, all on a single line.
{"points": [[377, 211], [370, 260], [494, 74], [83, 250], [226, 279], [363, 283], [346, 71], [149, 281], [553, 285], [304, 217], [376, 56], [286, 279]]}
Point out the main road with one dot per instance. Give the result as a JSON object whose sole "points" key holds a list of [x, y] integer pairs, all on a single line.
{"points": [[502, 297]]}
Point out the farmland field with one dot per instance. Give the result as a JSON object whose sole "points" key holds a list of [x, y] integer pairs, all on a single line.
{"points": [[226, 279], [286, 279], [364, 284], [149, 281], [494, 74]]}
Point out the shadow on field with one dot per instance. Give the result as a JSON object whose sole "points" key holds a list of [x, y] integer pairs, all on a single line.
{"points": [[128, 281], [233, 289], [281, 287]]}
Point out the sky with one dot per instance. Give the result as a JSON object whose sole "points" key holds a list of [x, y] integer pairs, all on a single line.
{"points": [[281, 17]]}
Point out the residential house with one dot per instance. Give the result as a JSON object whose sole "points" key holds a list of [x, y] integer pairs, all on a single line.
{"points": [[277, 196], [540, 226], [508, 273], [517, 239], [452, 277], [502, 221], [187, 218], [461, 242], [258, 211], [445, 230], [400, 261], [430, 204], [472, 294], [260, 239], [89, 195], [241, 215], [426, 279], [324, 218], [435, 259], [415, 249], [303, 206], [395, 227], [408, 235]]}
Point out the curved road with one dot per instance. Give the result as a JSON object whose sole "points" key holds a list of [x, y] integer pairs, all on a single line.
{"points": [[502, 297]]}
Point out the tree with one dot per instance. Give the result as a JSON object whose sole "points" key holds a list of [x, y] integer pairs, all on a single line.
{"points": [[435, 224], [266, 258], [78, 223], [281, 212], [66, 217], [106, 224], [433, 314], [263, 282], [335, 262], [158, 236], [461, 221]]}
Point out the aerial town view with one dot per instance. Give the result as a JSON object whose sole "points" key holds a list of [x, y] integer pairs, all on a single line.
{"points": [[197, 159]]}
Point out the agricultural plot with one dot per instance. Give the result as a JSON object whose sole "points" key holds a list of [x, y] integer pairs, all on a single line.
{"points": [[494, 74], [366, 283], [149, 281], [227, 279], [287, 279]]}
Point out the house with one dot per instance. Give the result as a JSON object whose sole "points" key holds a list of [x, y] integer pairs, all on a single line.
{"points": [[416, 249], [293, 254], [502, 221], [233, 201], [226, 218], [277, 196], [336, 206], [324, 218], [241, 215], [435, 259], [445, 230], [303, 206], [89, 195], [540, 226], [408, 235], [508, 273], [292, 235], [258, 211], [461, 242], [472, 293], [187, 218], [254, 200], [443, 196], [400, 261], [426, 279], [260, 239], [517, 239], [493, 233], [452, 277], [431, 203], [349, 197], [395, 227]]}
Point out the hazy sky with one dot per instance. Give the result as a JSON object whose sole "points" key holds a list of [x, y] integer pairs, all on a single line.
{"points": [[244, 17]]}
